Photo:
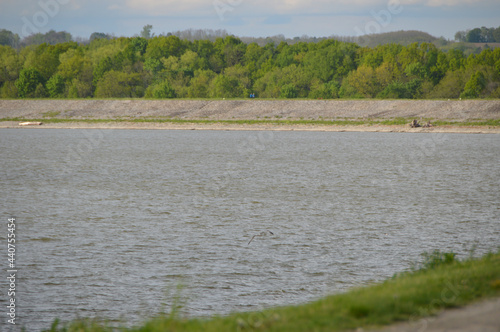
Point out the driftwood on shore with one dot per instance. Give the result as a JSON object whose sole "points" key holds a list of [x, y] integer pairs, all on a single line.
{"points": [[415, 124], [30, 123]]}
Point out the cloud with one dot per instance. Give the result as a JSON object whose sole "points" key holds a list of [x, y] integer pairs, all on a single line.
{"points": [[166, 8], [251, 17], [224, 10], [262, 7]]}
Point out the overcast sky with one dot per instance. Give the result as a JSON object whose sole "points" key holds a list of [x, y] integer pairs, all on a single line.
{"points": [[258, 18]]}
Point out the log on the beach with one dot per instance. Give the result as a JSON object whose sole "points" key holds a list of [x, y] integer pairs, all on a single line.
{"points": [[30, 123], [415, 124]]}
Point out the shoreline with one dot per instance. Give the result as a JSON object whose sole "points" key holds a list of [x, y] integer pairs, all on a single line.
{"points": [[252, 127], [365, 115]]}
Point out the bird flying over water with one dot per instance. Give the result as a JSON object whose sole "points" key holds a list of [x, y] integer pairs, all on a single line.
{"points": [[261, 234]]}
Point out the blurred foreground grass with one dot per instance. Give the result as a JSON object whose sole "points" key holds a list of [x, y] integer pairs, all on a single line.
{"points": [[440, 282]]}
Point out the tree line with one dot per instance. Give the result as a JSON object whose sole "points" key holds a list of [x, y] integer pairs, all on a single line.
{"points": [[162, 66], [479, 35]]}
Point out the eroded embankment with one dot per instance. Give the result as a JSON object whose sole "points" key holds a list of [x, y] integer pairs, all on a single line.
{"points": [[251, 109]]}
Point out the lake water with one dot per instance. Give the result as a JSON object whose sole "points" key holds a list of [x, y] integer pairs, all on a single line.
{"points": [[111, 222]]}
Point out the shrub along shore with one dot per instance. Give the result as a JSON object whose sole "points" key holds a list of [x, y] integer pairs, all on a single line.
{"points": [[442, 282]]}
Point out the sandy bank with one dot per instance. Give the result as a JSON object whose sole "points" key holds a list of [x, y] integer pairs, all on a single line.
{"points": [[281, 127], [124, 110]]}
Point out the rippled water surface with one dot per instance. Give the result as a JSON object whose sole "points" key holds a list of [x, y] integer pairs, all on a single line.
{"points": [[110, 222]]}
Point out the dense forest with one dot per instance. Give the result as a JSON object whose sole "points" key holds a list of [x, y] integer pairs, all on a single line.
{"points": [[225, 66]]}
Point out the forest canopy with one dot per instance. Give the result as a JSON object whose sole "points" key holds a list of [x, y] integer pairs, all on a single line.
{"points": [[150, 66]]}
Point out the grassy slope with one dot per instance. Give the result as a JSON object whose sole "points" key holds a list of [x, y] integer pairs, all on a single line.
{"points": [[407, 296]]}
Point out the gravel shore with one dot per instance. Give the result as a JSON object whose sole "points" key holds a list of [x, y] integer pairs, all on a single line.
{"points": [[277, 127], [455, 110]]}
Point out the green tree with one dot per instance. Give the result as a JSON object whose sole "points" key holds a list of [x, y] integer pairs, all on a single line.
{"points": [[363, 80], [161, 90], [461, 36], [234, 50], [286, 55], [8, 90], [385, 74], [189, 61], [51, 38], [199, 84], [163, 47], [40, 91], [98, 35], [79, 89], [241, 75], [71, 64], [55, 86], [10, 65], [474, 36], [449, 87], [268, 86], [415, 69], [105, 65], [45, 58], [252, 54], [205, 50], [146, 31], [8, 38], [227, 87], [28, 81], [138, 45], [288, 91], [153, 65], [496, 34], [328, 90], [400, 90], [116, 84], [474, 86]]}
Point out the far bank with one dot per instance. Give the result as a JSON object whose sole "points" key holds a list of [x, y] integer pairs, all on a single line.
{"points": [[249, 109], [457, 116]]}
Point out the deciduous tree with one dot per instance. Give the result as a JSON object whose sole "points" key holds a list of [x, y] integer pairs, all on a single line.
{"points": [[28, 81]]}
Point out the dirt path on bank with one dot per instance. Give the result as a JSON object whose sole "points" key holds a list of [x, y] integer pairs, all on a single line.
{"points": [[483, 316]]}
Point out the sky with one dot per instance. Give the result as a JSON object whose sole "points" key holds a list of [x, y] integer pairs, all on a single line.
{"points": [[257, 18]]}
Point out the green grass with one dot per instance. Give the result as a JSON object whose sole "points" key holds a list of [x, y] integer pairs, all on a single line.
{"points": [[441, 282], [478, 122], [50, 117]]}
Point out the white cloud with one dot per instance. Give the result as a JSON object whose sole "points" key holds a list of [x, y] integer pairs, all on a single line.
{"points": [[252, 17], [263, 7], [270, 7]]}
